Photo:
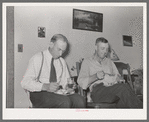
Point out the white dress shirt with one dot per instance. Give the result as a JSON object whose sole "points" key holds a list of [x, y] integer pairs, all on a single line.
{"points": [[30, 82]]}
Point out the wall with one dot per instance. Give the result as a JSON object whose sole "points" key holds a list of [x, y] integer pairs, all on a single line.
{"points": [[117, 21]]}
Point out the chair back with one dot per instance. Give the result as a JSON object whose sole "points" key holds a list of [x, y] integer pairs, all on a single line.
{"points": [[78, 67], [121, 68]]}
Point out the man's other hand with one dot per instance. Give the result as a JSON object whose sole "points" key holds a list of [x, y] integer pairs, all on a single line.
{"points": [[100, 75]]}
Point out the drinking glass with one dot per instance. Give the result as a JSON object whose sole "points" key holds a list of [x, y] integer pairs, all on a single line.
{"points": [[70, 82]]}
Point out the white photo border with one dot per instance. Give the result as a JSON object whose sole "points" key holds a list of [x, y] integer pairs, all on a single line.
{"points": [[75, 114]]}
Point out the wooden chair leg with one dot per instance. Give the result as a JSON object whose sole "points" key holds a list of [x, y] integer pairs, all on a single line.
{"points": [[129, 77]]}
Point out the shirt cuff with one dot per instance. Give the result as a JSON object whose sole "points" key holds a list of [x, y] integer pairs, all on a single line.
{"points": [[37, 88]]}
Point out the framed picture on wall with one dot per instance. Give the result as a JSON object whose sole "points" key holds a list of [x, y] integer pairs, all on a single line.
{"points": [[41, 32], [127, 40], [86, 20]]}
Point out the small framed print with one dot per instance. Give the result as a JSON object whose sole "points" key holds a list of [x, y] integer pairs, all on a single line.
{"points": [[41, 32], [127, 40]]}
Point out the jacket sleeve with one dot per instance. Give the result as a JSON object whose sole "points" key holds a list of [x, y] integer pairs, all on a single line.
{"points": [[29, 81], [83, 78]]}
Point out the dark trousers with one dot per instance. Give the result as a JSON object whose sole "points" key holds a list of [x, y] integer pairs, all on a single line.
{"points": [[120, 93], [51, 100]]}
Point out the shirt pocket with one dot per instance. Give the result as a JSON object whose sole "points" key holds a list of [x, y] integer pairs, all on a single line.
{"points": [[94, 70]]}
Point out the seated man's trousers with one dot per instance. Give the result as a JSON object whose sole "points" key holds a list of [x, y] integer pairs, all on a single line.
{"points": [[45, 99], [120, 93]]}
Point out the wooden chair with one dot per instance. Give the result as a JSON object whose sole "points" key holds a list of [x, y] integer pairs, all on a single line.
{"points": [[90, 104]]}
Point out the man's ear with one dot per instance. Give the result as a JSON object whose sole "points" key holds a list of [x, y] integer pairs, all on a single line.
{"points": [[51, 44]]}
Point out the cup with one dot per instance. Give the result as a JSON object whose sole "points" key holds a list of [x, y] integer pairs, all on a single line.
{"points": [[70, 82], [60, 87]]}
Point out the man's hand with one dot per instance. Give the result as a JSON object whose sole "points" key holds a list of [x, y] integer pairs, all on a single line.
{"points": [[109, 79], [50, 87], [71, 89], [120, 79], [74, 85], [100, 75]]}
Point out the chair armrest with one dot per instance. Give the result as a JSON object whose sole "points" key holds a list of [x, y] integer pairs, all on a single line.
{"points": [[129, 77], [79, 89]]}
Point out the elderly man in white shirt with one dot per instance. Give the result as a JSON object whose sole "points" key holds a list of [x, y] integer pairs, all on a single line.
{"points": [[51, 90], [100, 74]]}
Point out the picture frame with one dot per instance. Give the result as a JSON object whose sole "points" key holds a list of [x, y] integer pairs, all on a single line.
{"points": [[41, 32], [127, 40], [87, 20]]}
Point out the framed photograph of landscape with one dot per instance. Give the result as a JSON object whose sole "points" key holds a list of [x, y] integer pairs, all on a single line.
{"points": [[87, 20], [127, 40]]}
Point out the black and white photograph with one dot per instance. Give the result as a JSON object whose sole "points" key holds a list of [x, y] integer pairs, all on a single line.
{"points": [[89, 64], [127, 40], [87, 20]]}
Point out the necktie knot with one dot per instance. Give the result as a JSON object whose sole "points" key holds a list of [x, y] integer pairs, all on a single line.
{"points": [[52, 61]]}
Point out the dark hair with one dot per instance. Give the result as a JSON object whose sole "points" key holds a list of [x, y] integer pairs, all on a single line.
{"points": [[101, 39], [59, 36]]}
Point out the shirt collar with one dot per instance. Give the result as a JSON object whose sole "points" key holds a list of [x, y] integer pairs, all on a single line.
{"points": [[94, 58], [49, 54]]}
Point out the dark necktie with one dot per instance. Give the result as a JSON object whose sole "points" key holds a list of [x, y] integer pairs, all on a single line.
{"points": [[52, 72]]}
